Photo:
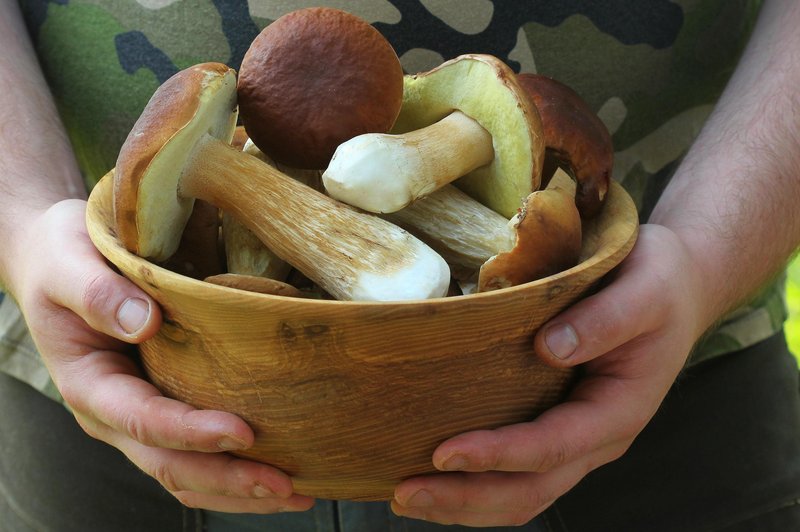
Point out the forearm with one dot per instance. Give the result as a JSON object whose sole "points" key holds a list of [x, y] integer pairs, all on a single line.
{"points": [[735, 200], [37, 166]]}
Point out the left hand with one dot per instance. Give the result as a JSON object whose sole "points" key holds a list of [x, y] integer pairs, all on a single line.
{"points": [[633, 338]]}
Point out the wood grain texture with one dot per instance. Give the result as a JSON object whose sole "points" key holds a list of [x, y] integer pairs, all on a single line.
{"points": [[351, 397]]}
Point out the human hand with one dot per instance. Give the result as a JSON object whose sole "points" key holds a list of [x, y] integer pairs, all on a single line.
{"points": [[632, 337], [82, 315]]}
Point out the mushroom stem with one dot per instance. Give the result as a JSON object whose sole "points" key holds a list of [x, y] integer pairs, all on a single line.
{"points": [[465, 232], [462, 230], [352, 255], [244, 252], [384, 173]]}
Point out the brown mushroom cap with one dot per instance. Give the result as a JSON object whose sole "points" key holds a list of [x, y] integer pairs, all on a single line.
{"points": [[575, 136], [252, 283], [548, 241], [313, 79], [149, 213]]}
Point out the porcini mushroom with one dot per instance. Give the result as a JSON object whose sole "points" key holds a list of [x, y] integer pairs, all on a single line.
{"points": [[199, 253], [254, 283], [245, 254], [542, 238], [548, 238], [575, 136], [463, 231], [179, 150], [467, 119], [313, 79]]}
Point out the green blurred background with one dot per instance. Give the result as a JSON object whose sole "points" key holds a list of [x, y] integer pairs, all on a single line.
{"points": [[793, 302]]}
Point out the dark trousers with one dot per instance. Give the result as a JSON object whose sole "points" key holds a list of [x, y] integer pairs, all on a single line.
{"points": [[723, 453]]}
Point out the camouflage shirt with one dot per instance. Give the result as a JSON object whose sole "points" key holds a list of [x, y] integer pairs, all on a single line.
{"points": [[652, 69]]}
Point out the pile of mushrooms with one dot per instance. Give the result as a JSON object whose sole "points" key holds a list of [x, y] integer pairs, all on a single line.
{"points": [[425, 178]]}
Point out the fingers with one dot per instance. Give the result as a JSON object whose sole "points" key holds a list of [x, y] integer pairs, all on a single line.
{"points": [[599, 416], [267, 505], [484, 499], [178, 445], [218, 482], [597, 324], [511, 474], [221, 482], [81, 313], [120, 401]]}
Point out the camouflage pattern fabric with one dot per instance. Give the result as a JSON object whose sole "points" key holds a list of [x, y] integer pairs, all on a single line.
{"points": [[652, 69]]}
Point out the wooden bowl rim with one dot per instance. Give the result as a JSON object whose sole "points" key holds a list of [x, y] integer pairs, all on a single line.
{"points": [[610, 251]]}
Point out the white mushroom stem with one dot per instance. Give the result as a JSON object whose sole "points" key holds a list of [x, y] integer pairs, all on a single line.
{"points": [[351, 255], [384, 173]]}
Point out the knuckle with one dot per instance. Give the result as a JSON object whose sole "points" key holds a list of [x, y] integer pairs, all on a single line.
{"points": [[132, 425], [557, 455], [163, 473], [533, 500], [72, 396], [96, 295], [617, 452]]}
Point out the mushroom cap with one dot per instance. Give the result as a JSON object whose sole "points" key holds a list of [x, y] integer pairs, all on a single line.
{"points": [[313, 79], [576, 137], [149, 213], [485, 89], [549, 237], [253, 283]]}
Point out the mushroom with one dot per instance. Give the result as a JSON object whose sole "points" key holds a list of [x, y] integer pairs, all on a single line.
{"points": [[384, 173], [313, 79], [467, 119], [542, 238], [463, 231], [199, 253], [245, 254], [253, 283], [548, 238], [179, 150], [575, 136]]}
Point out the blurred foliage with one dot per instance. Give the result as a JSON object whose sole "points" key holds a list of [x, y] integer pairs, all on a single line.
{"points": [[793, 303]]}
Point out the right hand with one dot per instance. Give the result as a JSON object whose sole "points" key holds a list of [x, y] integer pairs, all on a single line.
{"points": [[82, 315]]}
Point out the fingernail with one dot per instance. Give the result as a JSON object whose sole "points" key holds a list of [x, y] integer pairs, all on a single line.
{"points": [[561, 340], [229, 443], [456, 462], [133, 314], [420, 499]]}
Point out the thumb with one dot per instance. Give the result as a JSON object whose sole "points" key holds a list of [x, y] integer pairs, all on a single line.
{"points": [[633, 300], [590, 328], [84, 283]]}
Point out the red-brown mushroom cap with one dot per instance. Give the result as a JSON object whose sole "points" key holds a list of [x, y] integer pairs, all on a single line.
{"points": [[549, 232], [313, 79], [575, 135]]}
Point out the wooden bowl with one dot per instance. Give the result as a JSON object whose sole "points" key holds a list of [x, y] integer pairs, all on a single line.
{"points": [[352, 397]]}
